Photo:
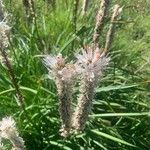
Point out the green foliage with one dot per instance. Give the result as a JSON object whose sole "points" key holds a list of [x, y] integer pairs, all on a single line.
{"points": [[120, 118]]}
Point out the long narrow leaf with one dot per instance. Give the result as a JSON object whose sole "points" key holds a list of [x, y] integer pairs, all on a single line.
{"points": [[117, 87], [121, 114], [62, 146], [100, 145], [22, 88], [111, 137]]}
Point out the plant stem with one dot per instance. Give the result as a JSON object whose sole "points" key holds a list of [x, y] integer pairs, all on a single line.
{"points": [[13, 78]]}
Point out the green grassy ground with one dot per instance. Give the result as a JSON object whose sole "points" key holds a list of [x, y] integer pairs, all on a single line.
{"points": [[120, 118]]}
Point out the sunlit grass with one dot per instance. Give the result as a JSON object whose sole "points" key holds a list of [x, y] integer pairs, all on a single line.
{"points": [[120, 117]]}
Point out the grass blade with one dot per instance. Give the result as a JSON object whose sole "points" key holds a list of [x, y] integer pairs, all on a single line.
{"points": [[22, 88], [121, 114], [116, 87], [115, 139]]}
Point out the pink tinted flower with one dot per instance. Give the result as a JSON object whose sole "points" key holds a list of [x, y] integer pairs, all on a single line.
{"points": [[91, 62], [54, 62], [57, 67]]}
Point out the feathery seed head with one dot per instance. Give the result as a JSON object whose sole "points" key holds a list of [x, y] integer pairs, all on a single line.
{"points": [[7, 127], [57, 67], [54, 62], [91, 62], [63, 75], [8, 131]]}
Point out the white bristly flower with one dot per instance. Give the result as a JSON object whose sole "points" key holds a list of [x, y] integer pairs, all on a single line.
{"points": [[57, 67], [8, 131], [54, 63], [90, 65], [91, 62]]}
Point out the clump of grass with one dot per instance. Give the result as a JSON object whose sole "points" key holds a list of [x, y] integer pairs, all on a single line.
{"points": [[120, 114]]}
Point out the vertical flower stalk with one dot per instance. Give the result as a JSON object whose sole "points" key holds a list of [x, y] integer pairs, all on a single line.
{"points": [[85, 6], [64, 75], [91, 64], [65, 109], [8, 131], [111, 30], [84, 104], [100, 20], [74, 19], [4, 42]]}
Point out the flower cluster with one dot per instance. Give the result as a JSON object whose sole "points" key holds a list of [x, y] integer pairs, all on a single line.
{"points": [[88, 69], [57, 67], [8, 131]]}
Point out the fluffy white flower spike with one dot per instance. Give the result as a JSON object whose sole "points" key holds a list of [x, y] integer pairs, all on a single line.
{"points": [[89, 65], [91, 62], [8, 131], [64, 75]]}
